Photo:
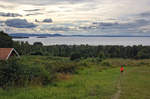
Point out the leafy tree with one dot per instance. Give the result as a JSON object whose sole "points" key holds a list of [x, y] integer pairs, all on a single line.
{"points": [[101, 56], [143, 54], [75, 56], [5, 40], [38, 44]]}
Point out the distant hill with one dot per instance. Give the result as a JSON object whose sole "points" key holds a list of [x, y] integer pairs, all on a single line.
{"points": [[27, 35]]}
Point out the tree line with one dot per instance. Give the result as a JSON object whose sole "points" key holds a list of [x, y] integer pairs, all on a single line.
{"points": [[76, 51]]}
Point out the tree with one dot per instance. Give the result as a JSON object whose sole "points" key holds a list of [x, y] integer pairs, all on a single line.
{"points": [[101, 56], [38, 44], [75, 56], [5, 40], [143, 54]]}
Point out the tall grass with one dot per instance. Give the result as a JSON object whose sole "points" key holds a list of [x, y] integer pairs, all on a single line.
{"points": [[90, 83]]}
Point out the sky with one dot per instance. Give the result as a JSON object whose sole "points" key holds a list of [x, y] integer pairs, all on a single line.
{"points": [[85, 17]]}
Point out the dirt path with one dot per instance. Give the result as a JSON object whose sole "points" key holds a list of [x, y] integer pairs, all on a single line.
{"points": [[117, 94]]}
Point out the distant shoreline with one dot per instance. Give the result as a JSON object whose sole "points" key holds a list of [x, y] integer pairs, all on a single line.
{"points": [[25, 35]]}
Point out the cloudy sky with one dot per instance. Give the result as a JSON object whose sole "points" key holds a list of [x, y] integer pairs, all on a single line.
{"points": [[113, 17]]}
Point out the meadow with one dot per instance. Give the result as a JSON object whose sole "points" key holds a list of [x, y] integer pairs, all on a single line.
{"points": [[89, 78]]}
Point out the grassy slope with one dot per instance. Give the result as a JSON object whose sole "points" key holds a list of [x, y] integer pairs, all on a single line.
{"points": [[90, 83]]}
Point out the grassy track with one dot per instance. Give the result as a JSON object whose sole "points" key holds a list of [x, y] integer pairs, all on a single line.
{"points": [[136, 83]]}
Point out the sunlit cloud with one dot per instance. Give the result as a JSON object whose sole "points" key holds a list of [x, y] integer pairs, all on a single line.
{"points": [[76, 16]]}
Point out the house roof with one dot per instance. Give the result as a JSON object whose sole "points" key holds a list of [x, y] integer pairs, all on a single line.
{"points": [[5, 53]]}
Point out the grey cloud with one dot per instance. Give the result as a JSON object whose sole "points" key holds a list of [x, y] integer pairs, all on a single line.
{"points": [[36, 20], [48, 20], [32, 10], [19, 23], [33, 14], [3, 6], [59, 28], [1, 21], [7, 6], [134, 24], [113, 27], [46, 2], [145, 14], [10, 14]]}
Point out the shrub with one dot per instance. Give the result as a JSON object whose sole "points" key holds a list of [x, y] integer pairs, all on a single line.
{"points": [[143, 54], [105, 63], [38, 44], [62, 67], [13, 73], [101, 55], [37, 53], [75, 56]]}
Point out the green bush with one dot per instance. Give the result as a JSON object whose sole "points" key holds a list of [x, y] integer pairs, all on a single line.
{"points": [[143, 54], [75, 56], [62, 67], [105, 63], [13, 73], [101, 55], [37, 53]]}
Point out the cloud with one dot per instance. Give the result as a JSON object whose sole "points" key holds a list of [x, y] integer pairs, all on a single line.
{"points": [[59, 28], [145, 14], [103, 16], [3, 6], [34, 14], [46, 2], [32, 10], [36, 20], [10, 14], [1, 21], [137, 26], [6, 5], [48, 20], [19, 23], [136, 23]]}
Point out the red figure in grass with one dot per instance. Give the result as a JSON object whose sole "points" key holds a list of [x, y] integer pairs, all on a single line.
{"points": [[122, 69]]}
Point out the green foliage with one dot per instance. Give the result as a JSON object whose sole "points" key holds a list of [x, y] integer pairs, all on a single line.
{"points": [[105, 63], [5, 40], [85, 51], [101, 56], [75, 56], [37, 44], [14, 73], [37, 53], [143, 54]]}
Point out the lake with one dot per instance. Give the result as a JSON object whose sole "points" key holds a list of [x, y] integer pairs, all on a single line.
{"points": [[89, 40]]}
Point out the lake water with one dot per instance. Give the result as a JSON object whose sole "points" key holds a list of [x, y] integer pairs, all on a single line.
{"points": [[89, 40]]}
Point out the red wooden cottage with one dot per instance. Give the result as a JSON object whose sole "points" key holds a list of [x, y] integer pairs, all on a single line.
{"points": [[6, 53]]}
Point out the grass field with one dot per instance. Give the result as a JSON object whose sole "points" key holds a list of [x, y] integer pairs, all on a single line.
{"points": [[135, 84], [96, 81]]}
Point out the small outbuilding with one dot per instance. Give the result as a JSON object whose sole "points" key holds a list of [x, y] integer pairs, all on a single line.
{"points": [[6, 53]]}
